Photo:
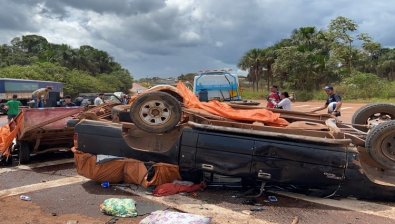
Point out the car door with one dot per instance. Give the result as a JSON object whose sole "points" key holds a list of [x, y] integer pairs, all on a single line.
{"points": [[298, 163], [224, 154]]}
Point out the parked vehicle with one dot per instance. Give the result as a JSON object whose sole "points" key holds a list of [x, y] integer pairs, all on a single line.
{"points": [[216, 84], [313, 152], [89, 98], [25, 87]]}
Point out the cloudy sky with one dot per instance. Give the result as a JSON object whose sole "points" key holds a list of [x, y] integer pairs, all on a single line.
{"points": [[170, 37]]}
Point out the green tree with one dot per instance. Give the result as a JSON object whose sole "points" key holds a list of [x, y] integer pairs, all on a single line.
{"points": [[341, 31]]}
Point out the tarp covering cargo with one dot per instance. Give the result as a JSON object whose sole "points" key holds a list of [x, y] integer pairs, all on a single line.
{"points": [[129, 171], [224, 110], [8, 133]]}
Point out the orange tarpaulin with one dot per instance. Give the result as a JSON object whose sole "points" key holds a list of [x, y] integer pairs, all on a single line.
{"points": [[224, 110], [7, 134]]}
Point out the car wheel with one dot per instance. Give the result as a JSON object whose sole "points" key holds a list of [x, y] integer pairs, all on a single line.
{"points": [[380, 144], [156, 112], [370, 112], [24, 152]]}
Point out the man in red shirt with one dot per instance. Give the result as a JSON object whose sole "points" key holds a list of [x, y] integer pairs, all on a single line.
{"points": [[273, 98]]}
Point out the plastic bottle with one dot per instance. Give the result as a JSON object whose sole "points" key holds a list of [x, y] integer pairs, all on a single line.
{"points": [[25, 198], [105, 184]]}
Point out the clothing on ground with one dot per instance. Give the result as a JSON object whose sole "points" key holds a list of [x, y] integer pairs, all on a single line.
{"points": [[119, 207], [170, 217], [172, 188]]}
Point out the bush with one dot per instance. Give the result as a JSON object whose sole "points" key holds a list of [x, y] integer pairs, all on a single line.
{"points": [[362, 86]]}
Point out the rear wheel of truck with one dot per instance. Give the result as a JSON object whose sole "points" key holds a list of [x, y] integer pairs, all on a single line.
{"points": [[374, 112], [24, 152], [156, 112], [380, 144]]}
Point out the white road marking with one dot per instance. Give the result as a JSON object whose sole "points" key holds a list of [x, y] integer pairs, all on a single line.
{"points": [[41, 186], [345, 108], [306, 105], [348, 204], [186, 204], [36, 165]]}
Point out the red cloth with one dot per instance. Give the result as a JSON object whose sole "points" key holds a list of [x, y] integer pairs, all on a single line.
{"points": [[171, 189], [272, 97]]}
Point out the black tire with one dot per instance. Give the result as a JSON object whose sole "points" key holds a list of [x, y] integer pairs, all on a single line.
{"points": [[370, 111], [380, 144], [156, 112], [24, 152]]}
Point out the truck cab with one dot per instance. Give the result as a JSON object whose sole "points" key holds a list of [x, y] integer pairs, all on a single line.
{"points": [[216, 84]]}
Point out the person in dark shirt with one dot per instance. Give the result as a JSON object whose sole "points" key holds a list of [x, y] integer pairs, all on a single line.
{"points": [[333, 103], [67, 102]]}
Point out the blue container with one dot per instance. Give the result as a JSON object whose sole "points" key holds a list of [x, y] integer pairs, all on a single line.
{"points": [[203, 95]]}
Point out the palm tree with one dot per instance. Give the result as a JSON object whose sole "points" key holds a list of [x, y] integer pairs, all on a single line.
{"points": [[253, 61]]}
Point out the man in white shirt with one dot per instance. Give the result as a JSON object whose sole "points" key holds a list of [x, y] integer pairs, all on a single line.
{"points": [[99, 100]]}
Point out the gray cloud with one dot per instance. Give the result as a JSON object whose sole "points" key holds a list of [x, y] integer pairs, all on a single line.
{"points": [[171, 37]]}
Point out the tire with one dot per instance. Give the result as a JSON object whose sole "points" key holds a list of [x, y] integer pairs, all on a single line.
{"points": [[156, 112], [380, 143], [370, 111], [24, 152]]}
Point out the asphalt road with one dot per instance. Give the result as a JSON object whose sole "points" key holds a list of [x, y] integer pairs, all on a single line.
{"points": [[59, 195]]}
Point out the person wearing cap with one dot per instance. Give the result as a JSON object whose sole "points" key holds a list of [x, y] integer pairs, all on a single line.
{"points": [[333, 103], [273, 98]]}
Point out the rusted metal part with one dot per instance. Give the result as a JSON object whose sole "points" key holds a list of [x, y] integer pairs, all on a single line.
{"points": [[374, 171], [271, 134], [205, 114], [52, 120], [139, 139]]}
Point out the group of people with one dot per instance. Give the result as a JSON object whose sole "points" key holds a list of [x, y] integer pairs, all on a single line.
{"points": [[282, 100]]}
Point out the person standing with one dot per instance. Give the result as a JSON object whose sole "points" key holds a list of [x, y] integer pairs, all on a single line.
{"points": [[285, 102], [273, 97], [13, 107], [40, 96], [333, 103], [99, 100]]}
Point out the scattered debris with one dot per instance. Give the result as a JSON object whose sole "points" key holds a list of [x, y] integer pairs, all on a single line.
{"points": [[246, 212], [119, 207], [272, 198], [257, 209], [72, 222], [249, 202], [170, 217], [25, 198], [295, 220]]}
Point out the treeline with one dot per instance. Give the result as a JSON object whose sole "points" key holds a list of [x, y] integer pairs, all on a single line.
{"points": [[83, 69], [310, 58]]}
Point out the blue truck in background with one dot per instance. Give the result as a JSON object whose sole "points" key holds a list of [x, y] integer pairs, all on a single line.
{"points": [[216, 84], [24, 89]]}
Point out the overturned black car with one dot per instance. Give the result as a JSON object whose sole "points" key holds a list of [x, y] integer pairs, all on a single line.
{"points": [[313, 153]]}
